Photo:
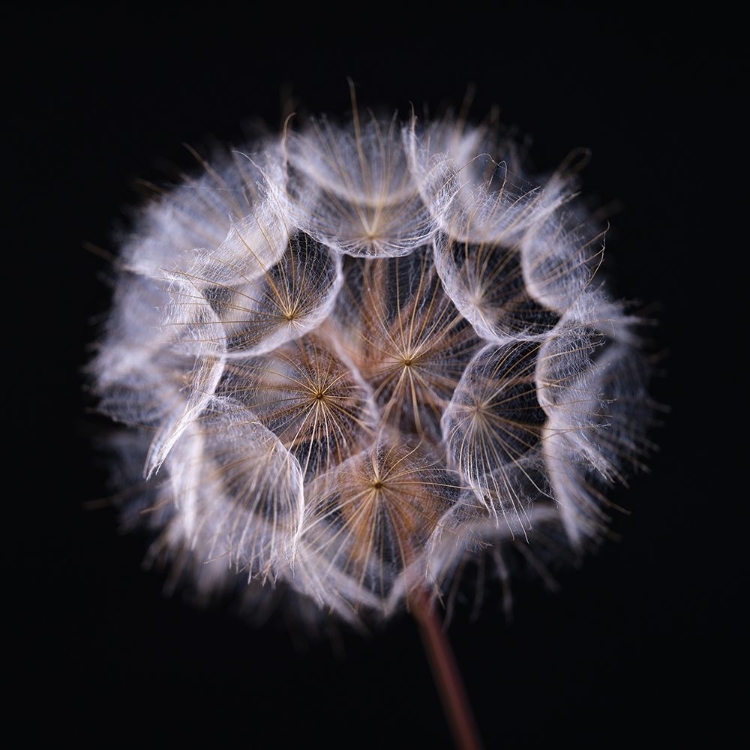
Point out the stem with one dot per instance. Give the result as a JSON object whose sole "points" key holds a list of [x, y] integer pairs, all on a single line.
{"points": [[445, 672]]}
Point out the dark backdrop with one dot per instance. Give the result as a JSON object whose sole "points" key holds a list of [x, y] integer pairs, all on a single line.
{"points": [[635, 645]]}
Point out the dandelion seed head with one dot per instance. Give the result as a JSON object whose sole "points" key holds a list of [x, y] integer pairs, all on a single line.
{"points": [[353, 357]]}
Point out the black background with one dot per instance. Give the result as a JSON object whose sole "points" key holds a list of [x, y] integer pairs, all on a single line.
{"points": [[637, 644]]}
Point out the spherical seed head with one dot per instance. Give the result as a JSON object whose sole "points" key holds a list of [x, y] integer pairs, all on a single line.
{"points": [[363, 353]]}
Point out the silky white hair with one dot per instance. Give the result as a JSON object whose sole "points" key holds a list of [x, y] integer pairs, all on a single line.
{"points": [[355, 356]]}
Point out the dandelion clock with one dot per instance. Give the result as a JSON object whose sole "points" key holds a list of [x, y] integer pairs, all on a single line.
{"points": [[353, 358]]}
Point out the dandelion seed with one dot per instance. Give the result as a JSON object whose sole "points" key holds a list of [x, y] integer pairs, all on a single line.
{"points": [[317, 404]]}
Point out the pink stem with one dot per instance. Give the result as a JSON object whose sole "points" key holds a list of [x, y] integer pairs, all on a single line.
{"points": [[445, 672]]}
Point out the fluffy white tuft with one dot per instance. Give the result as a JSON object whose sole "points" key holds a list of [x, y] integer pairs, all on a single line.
{"points": [[364, 354]]}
